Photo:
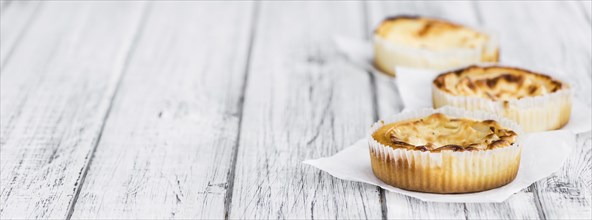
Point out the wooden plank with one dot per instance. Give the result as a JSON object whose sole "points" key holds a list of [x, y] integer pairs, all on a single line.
{"points": [[520, 205], [405, 207], [566, 194], [167, 148], [14, 21], [543, 46], [303, 101], [55, 93], [587, 8]]}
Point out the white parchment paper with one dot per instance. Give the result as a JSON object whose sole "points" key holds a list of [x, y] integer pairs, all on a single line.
{"points": [[543, 153]]}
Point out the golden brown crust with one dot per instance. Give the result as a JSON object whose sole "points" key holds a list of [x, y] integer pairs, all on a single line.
{"points": [[438, 132], [430, 23], [440, 43], [497, 83], [430, 33]]}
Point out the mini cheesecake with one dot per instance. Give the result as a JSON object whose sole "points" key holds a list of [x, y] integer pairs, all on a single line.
{"points": [[536, 101], [438, 132], [429, 43], [445, 151]]}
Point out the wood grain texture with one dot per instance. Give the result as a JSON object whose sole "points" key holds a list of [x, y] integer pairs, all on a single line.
{"points": [[520, 205], [566, 194], [303, 101], [206, 109], [405, 207], [55, 93], [15, 19], [167, 146]]}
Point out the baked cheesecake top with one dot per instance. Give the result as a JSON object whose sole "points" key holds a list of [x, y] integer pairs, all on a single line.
{"points": [[430, 33], [496, 83], [438, 132]]}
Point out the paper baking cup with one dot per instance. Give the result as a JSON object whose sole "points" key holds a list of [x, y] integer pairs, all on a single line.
{"points": [[538, 113], [445, 171], [388, 55]]}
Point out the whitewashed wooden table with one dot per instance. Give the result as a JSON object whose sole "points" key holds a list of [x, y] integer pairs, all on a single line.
{"points": [[205, 110]]}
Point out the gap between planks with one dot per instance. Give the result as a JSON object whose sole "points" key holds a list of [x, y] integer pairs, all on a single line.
{"points": [[373, 92], [312, 76], [129, 54], [241, 102]]}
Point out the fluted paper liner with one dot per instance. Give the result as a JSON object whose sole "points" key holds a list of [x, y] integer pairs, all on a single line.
{"points": [[539, 113], [445, 171], [389, 54]]}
